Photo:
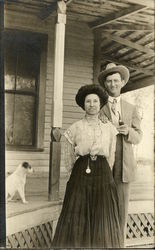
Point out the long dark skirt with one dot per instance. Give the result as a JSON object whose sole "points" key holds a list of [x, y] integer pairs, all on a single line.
{"points": [[90, 212]]}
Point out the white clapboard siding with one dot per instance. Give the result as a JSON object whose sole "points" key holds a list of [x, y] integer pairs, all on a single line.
{"points": [[72, 109], [11, 156], [74, 115], [39, 160], [78, 70], [71, 80], [27, 22], [80, 63]]}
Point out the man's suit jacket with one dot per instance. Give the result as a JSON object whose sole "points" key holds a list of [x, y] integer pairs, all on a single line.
{"points": [[131, 117]]}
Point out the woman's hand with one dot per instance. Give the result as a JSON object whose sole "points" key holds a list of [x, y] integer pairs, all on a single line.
{"points": [[95, 149]]}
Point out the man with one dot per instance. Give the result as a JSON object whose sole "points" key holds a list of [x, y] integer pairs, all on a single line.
{"points": [[127, 120]]}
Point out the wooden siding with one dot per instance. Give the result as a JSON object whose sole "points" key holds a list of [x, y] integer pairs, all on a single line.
{"points": [[78, 71], [127, 28], [39, 160]]}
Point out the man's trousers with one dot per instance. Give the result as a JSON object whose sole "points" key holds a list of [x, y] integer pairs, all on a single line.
{"points": [[123, 189]]}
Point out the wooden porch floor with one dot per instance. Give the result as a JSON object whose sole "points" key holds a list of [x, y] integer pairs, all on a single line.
{"points": [[16, 207], [39, 210]]}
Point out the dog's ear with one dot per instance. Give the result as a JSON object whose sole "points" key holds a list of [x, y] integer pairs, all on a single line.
{"points": [[25, 164]]}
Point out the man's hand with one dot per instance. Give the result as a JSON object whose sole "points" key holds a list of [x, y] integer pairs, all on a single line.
{"points": [[123, 129]]}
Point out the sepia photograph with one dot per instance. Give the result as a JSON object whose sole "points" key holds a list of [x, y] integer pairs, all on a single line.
{"points": [[77, 124]]}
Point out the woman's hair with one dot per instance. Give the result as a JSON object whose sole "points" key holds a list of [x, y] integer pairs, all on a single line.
{"points": [[91, 89]]}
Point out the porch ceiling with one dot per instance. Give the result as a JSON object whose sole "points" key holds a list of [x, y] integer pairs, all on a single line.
{"points": [[126, 28]]}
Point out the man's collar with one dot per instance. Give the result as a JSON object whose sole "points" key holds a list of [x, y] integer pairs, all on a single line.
{"points": [[111, 98]]}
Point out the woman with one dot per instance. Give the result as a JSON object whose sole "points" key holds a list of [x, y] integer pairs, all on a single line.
{"points": [[90, 212]]}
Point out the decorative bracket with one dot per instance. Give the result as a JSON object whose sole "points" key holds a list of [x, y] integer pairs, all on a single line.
{"points": [[55, 134]]}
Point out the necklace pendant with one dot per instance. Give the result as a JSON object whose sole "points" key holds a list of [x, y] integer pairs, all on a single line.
{"points": [[88, 170]]}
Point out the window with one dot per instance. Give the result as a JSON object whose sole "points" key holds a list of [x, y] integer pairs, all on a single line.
{"points": [[22, 69]]}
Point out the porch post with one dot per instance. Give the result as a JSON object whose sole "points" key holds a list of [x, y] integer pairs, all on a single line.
{"points": [[2, 134], [97, 55], [55, 147]]}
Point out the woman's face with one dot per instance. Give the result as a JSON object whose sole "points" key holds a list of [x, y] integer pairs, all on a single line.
{"points": [[92, 104]]}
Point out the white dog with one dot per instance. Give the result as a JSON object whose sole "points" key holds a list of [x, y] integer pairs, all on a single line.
{"points": [[16, 181]]}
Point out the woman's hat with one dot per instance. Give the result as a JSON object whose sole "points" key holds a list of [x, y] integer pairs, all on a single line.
{"points": [[91, 89], [113, 68]]}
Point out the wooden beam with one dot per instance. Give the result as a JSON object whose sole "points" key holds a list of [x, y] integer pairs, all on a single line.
{"points": [[54, 164], [129, 44], [116, 16], [57, 105], [128, 65], [134, 56], [59, 65], [48, 10], [2, 132], [97, 55], [128, 27], [144, 82], [148, 3], [68, 2]]}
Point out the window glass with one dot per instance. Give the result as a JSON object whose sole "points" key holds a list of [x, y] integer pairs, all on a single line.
{"points": [[10, 68], [26, 69], [22, 62], [9, 114], [24, 120]]}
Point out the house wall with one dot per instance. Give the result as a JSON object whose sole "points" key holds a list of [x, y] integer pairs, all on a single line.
{"points": [[39, 160], [78, 70]]}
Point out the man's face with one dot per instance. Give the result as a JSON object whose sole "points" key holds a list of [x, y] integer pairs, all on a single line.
{"points": [[113, 84]]}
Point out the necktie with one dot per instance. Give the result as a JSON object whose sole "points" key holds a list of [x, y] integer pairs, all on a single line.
{"points": [[113, 106]]}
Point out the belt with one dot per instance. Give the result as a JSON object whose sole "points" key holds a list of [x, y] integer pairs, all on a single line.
{"points": [[92, 158]]}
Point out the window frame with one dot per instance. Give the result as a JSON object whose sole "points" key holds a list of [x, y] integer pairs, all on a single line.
{"points": [[39, 113]]}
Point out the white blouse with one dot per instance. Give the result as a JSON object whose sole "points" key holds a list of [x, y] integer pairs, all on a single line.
{"points": [[83, 137]]}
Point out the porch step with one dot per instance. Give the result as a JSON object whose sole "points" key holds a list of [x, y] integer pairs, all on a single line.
{"points": [[147, 242]]}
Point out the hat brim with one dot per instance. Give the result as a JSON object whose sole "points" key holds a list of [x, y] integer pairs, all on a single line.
{"points": [[124, 72]]}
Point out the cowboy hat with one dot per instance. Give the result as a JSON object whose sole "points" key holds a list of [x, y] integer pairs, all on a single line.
{"points": [[113, 68], [91, 89]]}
